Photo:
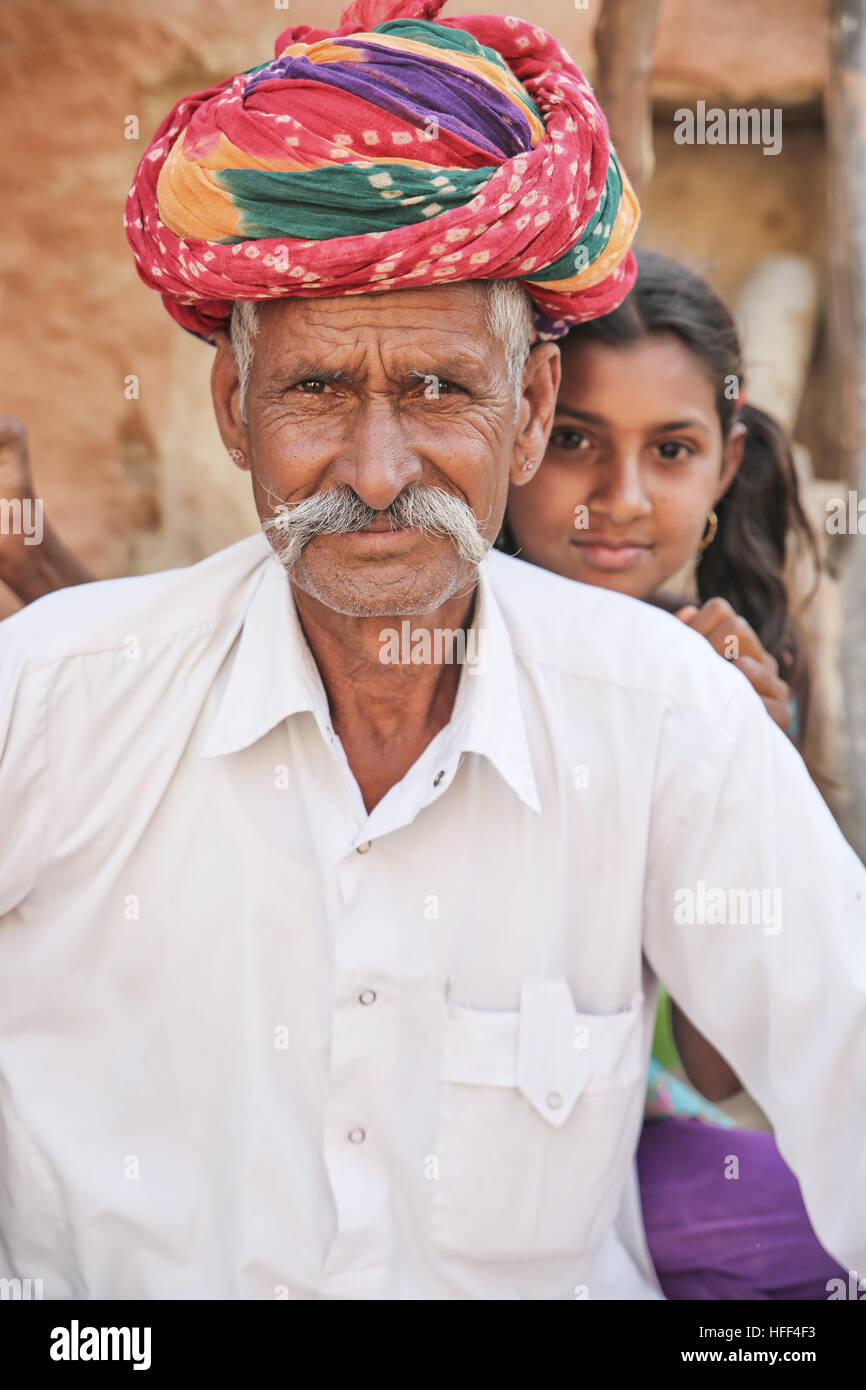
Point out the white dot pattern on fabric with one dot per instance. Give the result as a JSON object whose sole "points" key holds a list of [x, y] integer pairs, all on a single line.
{"points": [[565, 159]]}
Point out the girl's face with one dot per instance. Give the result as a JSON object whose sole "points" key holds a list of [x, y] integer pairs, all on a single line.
{"points": [[635, 462]]}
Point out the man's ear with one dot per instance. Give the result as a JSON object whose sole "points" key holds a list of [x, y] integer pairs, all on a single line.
{"points": [[542, 372], [225, 389], [732, 457]]}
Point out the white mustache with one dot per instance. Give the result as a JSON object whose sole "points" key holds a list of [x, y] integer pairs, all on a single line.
{"points": [[340, 511]]}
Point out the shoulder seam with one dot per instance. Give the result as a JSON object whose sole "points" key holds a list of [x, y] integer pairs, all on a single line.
{"points": [[75, 655], [638, 689], [47, 659]]}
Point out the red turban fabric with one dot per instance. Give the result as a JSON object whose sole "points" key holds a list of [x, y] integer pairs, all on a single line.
{"points": [[396, 151]]}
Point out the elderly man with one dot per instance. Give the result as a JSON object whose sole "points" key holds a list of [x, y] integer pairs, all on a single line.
{"points": [[329, 965]]}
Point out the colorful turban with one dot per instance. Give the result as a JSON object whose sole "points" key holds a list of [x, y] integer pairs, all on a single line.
{"points": [[393, 152]]}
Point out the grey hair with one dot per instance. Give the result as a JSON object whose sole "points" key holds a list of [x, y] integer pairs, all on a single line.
{"points": [[243, 327], [508, 315], [510, 318]]}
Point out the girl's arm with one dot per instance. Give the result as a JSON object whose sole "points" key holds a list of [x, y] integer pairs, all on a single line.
{"points": [[706, 1068]]}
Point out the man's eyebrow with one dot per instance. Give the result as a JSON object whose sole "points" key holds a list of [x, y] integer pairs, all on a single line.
{"points": [[454, 367], [304, 367]]}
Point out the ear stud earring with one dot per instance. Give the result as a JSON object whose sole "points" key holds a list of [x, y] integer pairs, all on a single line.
{"points": [[237, 455], [529, 465]]}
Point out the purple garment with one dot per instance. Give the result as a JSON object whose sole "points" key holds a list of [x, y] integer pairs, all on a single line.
{"points": [[717, 1237]]}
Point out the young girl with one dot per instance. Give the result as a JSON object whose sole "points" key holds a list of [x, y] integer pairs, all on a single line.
{"points": [[655, 458]]}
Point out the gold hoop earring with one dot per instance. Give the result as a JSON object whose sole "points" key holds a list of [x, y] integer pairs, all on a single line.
{"points": [[710, 534]]}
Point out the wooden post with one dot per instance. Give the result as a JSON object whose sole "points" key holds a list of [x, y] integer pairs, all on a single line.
{"points": [[846, 122], [624, 46], [777, 314]]}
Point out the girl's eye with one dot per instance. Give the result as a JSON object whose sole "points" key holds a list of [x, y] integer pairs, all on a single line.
{"points": [[673, 450], [570, 439]]}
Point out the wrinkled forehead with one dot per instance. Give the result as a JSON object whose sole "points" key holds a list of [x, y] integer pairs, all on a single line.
{"points": [[443, 321]]}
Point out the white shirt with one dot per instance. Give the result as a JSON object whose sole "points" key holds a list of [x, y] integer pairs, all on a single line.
{"points": [[258, 1043]]}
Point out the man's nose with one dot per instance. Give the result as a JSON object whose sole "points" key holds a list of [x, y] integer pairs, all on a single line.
{"points": [[621, 494], [377, 459]]}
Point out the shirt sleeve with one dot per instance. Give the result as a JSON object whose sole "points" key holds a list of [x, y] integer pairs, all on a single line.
{"points": [[24, 681], [755, 919]]}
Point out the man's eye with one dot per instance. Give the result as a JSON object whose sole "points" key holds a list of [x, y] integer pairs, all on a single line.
{"points": [[570, 439], [435, 386], [311, 385], [672, 450]]}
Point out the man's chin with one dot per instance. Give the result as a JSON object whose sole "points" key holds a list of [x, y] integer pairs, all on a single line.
{"points": [[397, 587]]}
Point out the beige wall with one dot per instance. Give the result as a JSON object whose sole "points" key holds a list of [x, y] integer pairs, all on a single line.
{"points": [[142, 484]]}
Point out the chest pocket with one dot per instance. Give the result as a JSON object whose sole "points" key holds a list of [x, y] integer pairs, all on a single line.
{"points": [[539, 1115]]}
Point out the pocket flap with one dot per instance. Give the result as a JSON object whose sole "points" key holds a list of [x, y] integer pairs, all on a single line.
{"points": [[552, 1069], [548, 1050]]}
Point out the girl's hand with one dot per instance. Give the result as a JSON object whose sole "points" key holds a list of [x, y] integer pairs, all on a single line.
{"points": [[734, 639]]}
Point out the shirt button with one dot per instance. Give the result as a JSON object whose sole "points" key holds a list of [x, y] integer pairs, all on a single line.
{"points": [[357, 1136], [554, 1100], [368, 996], [438, 778], [362, 849]]}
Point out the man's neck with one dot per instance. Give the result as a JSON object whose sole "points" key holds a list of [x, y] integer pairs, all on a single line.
{"points": [[384, 707]]}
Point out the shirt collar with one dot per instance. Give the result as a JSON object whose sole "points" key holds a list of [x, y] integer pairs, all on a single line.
{"points": [[273, 675], [488, 716]]}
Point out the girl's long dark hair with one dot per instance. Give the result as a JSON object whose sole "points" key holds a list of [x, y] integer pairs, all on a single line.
{"points": [[761, 511]]}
